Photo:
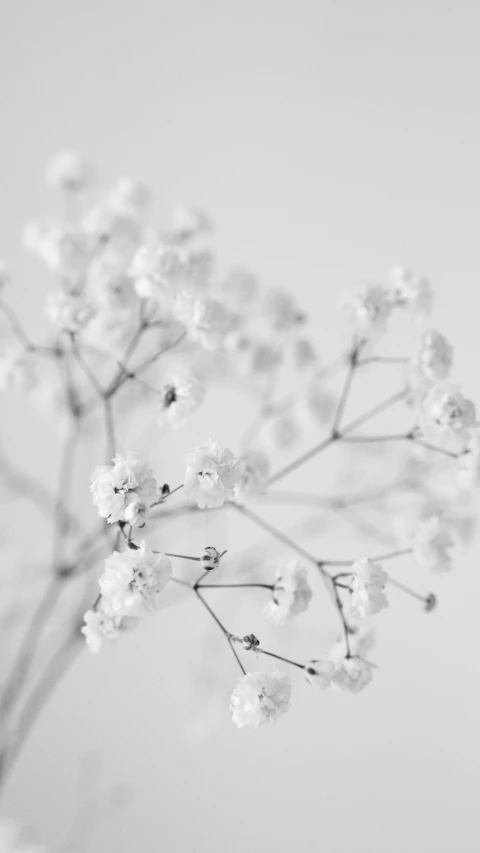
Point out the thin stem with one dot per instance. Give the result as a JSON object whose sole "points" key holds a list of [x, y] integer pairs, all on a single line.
{"points": [[109, 428], [292, 466], [180, 556], [372, 413], [237, 585], [280, 657], [85, 367], [381, 359], [365, 439], [181, 582], [433, 447], [277, 534], [226, 633], [346, 390]]}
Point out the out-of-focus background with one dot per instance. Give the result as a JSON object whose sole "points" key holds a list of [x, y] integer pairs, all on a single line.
{"points": [[329, 141]]}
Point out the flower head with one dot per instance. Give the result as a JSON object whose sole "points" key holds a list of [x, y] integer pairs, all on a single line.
{"points": [[368, 589], [352, 674], [69, 171], [211, 476], [291, 594], [131, 580], [260, 698], [254, 469], [115, 487], [410, 290], [205, 318], [432, 545], [434, 356], [181, 396], [100, 625], [447, 411], [369, 309], [319, 673]]}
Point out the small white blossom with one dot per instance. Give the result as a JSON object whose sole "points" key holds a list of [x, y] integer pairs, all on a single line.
{"points": [[254, 470], [260, 698], [69, 171], [181, 396], [410, 290], [211, 475], [187, 223], [319, 673], [68, 311], [283, 430], [129, 196], [449, 413], [17, 370], [434, 357], [206, 319], [352, 674], [157, 270], [291, 593], [115, 487], [368, 589], [132, 579], [304, 353], [369, 309], [281, 310], [100, 625], [432, 545]]}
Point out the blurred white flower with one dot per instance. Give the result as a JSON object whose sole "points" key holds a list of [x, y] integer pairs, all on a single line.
{"points": [[352, 674], [368, 589], [432, 544], [69, 311], [410, 290], [239, 289], [434, 356], [129, 196], [450, 413], [291, 593], [115, 487], [206, 319], [18, 370], [69, 171], [212, 473], [369, 308], [157, 270], [254, 468], [283, 430], [260, 698], [181, 397], [304, 353], [281, 310], [187, 223], [100, 625]]}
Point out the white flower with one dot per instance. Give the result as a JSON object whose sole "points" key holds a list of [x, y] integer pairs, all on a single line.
{"points": [[319, 673], [254, 469], [281, 310], [283, 430], [291, 593], [369, 309], [116, 486], [352, 674], [304, 353], [432, 544], [211, 475], [206, 319], [434, 356], [17, 370], [187, 223], [69, 171], [449, 412], [68, 311], [131, 580], [181, 396], [260, 698], [100, 625], [156, 270], [368, 589], [410, 290], [129, 196]]}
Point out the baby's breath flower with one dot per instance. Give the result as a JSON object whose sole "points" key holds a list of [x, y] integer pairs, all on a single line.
{"points": [[254, 468], [449, 413], [352, 674], [18, 370], [181, 396], [157, 270], [304, 353], [69, 171], [205, 318], [260, 698], [469, 461], [319, 673], [115, 487], [283, 430], [281, 310], [132, 579], [369, 309], [211, 476], [432, 545], [368, 589], [410, 290], [291, 593], [100, 625], [129, 196], [434, 356], [69, 311], [187, 223]]}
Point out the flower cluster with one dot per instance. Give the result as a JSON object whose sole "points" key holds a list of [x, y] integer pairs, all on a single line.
{"points": [[124, 491]]}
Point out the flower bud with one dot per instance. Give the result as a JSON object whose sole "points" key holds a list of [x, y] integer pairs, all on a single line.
{"points": [[135, 513], [431, 602], [210, 558], [250, 642]]}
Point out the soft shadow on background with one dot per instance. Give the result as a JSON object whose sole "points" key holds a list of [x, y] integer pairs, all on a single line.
{"points": [[329, 141]]}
